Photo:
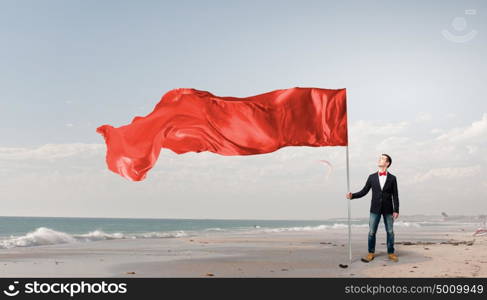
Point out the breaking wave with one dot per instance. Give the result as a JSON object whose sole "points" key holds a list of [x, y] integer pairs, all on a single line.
{"points": [[46, 236], [214, 229], [335, 226]]}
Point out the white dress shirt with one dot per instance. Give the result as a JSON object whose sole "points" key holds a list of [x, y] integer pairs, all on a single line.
{"points": [[382, 179]]}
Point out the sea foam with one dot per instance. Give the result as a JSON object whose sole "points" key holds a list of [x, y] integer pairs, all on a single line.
{"points": [[336, 226], [46, 236]]}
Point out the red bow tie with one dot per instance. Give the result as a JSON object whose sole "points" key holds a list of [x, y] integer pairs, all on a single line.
{"points": [[383, 173]]}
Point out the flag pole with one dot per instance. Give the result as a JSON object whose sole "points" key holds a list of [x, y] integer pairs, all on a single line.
{"points": [[349, 215]]}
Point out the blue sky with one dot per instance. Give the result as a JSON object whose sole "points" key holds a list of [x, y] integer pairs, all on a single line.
{"points": [[71, 66]]}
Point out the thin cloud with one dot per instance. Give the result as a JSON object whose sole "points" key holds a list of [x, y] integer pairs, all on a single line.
{"points": [[448, 173], [50, 151], [477, 129], [423, 117]]}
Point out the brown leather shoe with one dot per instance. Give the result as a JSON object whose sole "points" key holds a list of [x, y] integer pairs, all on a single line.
{"points": [[393, 257], [368, 258]]}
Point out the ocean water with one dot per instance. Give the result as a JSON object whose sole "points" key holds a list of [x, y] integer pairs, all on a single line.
{"points": [[38, 231]]}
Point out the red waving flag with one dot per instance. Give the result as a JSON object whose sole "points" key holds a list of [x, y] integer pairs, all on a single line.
{"points": [[192, 120]]}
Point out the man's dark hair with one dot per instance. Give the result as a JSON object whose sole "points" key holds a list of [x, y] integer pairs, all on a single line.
{"points": [[389, 159]]}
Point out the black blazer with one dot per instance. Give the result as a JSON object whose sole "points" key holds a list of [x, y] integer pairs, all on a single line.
{"points": [[385, 200]]}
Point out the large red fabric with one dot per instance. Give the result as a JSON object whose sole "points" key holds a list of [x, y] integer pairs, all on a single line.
{"points": [[192, 120]]}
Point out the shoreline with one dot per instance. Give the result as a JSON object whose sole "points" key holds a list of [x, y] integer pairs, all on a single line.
{"points": [[422, 252]]}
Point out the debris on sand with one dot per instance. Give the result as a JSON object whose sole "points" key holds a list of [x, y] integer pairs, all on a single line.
{"points": [[449, 242], [130, 273], [407, 243], [456, 243]]}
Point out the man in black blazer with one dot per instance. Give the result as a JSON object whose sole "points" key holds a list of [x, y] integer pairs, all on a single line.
{"points": [[385, 202]]}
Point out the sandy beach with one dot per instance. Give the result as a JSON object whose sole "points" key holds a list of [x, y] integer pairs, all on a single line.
{"points": [[423, 252]]}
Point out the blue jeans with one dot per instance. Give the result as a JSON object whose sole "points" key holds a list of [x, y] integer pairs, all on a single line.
{"points": [[374, 223]]}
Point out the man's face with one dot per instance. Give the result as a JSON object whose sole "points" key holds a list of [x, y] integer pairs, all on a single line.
{"points": [[383, 161]]}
